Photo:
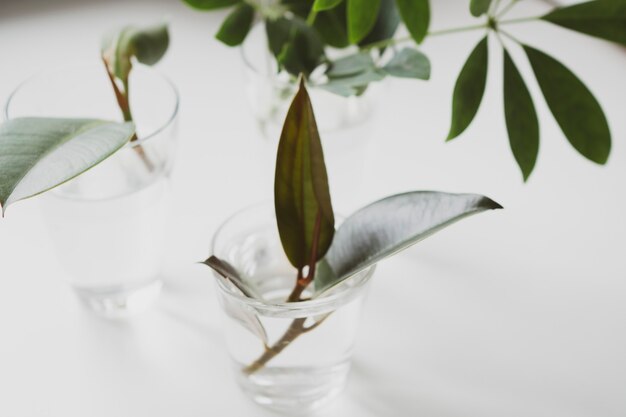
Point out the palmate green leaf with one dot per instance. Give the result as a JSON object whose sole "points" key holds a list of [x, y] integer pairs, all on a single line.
{"points": [[605, 19], [362, 15], [304, 213], [390, 225], [409, 63], [332, 27], [237, 25], [147, 44], [479, 7], [37, 154], [386, 24], [321, 5], [469, 89], [574, 107], [210, 4], [416, 16], [521, 118]]}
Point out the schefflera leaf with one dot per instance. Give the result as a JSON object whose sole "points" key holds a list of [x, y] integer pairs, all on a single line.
{"points": [[237, 25], [321, 5], [304, 212], [390, 225], [37, 154], [521, 118], [605, 19], [210, 4], [362, 15], [469, 89], [479, 7], [147, 44], [574, 107], [416, 16]]}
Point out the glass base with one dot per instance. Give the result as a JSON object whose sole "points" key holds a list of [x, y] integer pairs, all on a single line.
{"points": [[120, 302], [294, 391]]}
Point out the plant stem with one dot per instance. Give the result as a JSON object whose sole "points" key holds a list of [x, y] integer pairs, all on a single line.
{"points": [[520, 20], [391, 42], [506, 9], [310, 19]]}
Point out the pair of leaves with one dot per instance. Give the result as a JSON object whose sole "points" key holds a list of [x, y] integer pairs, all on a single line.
{"points": [[37, 154], [573, 106], [147, 45]]}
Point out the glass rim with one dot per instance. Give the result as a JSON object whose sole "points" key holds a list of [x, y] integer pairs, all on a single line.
{"points": [[336, 293], [78, 64]]}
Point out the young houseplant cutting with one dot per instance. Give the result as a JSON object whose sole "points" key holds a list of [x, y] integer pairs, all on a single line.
{"points": [[303, 36], [108, 211], [292, 285]]}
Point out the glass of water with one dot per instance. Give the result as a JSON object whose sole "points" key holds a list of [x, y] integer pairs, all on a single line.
{"points": [[107, 225], [290, 357]]}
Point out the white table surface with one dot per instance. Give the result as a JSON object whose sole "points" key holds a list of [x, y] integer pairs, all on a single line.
{"points": [[514, 313]]}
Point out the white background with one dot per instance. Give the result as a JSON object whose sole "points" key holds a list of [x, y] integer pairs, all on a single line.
{"points": [[514, 313]]}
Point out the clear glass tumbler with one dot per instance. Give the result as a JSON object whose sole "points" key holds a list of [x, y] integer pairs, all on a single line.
{"points": [[107, 224], [290, 357]]}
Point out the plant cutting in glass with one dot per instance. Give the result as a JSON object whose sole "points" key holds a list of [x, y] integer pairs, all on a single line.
{"points": [[322, 256], [38, 154], [302, 32]]}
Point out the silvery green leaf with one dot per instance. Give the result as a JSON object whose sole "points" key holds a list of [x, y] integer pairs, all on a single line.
{"points": [[353, 84], [409, 63], [350, 65], [228, 272], [37, 154], [392, 224]]}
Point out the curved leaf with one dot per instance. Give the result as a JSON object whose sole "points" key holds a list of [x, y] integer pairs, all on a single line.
{"points": [[332, 27], [228, 272], [304, 213], [605, 19], [147, 44], [574, 107], [479, 7], [521, 118], [409, 63], [37, 154], [362, 15], [416, 16], [386, 24], [469, 89], [392, 224], [351, 64], [237, 25], [210, 4], [321, 5]]}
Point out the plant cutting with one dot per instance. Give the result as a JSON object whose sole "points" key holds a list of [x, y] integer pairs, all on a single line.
{"points": [[303, 36], [117, 199], [292, 273]]}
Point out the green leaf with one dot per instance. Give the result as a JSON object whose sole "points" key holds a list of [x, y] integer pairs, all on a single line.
{"points": [[332, 28], [362, 15], [386, 24], [297, 47], [416, 16], [469, 89], [521, 118], [147, 44], [409, 63], [37, 154], [605, 19], [321, 5], [353, 84], [351, 64], [479, 7], [210, 4], [304, 213], [392, 224], [574, 107], [237, 25]]}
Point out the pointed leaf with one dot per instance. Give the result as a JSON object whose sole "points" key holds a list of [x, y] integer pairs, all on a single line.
{"points": [[37, 154], [362, 15], [237, 25], [605, 19], [321, 5], [147, 44], [416, 16], [521, 118], [392, 224], [479, 7], [304, 213], [386, 24], [409, 63], [469, 89], [228, 272], [574, 107], [210, 4]]}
